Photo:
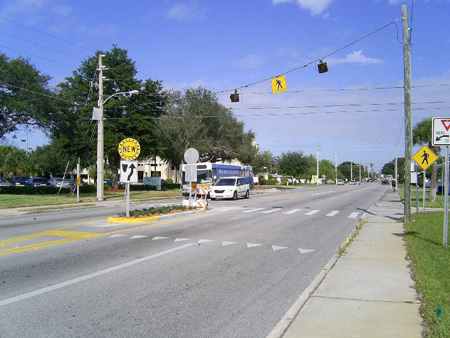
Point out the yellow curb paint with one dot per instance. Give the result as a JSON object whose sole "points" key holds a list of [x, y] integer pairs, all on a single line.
{"points": [[132, 220]]}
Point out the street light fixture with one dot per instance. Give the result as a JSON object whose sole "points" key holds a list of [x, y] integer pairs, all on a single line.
{"points": [[98, 115]]}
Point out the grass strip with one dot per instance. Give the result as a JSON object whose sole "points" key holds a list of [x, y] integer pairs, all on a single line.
{"points": [[430, 263]]}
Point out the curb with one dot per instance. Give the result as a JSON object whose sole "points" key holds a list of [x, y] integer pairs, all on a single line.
{"points": [[153, 218]]}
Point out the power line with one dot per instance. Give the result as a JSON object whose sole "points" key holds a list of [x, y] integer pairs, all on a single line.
{"points": [[37, 93], [314, 61]]}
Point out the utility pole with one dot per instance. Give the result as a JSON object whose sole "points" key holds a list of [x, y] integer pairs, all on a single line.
{"points": [[317, 181], [351, 170], [396, 162], [100, 135], [408, 133], [360, 172], [335, 165]]}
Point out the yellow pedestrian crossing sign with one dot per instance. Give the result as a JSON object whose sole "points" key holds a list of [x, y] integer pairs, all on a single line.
{"points": [[279, 84], [425, 157]]}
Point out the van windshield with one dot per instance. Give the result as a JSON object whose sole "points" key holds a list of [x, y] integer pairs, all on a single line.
{"points": [[226, 181]]}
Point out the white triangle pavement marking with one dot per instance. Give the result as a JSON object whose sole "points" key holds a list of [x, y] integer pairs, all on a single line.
{"points": [[200, 241], [270, 211], [246, 211], [228, 243], [353, 215], [275, 248], [138, 236], [292, 211], [114, 236], [182, 239], [312, 212], [251, 245], [156, 238], [333, 213], [305, 250]]}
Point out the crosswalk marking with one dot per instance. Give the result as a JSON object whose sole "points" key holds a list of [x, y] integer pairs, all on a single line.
{"points": [[200, 241], [182, 239], [312, 212], [138, 236], [333, 213], [251, 245], [270, 211], [275, 248], [228, 243], [246, 211], [157, 238], [292, 211], [305, 250], [353, 215], [114, 236]]}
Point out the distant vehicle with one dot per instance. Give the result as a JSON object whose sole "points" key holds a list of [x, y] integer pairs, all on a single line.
{"points": [[340, 182], [4, 183], [354, 182], [37, 182], [58, 182], [19, 181], [230, 187]]}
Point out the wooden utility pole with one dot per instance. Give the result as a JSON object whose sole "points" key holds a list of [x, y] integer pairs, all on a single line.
{"points": [[408, 131]]}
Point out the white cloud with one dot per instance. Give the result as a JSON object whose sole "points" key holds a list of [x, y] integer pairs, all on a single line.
{"points": [[251, 62], [186, 12], [316, 7], [356, 57]]}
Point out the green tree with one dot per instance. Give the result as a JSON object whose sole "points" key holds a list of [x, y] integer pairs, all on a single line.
{"points": [[24, 96], [13, 161], [293, 164], [421, 135], [195, 119], [125, 116], [264, 162]]}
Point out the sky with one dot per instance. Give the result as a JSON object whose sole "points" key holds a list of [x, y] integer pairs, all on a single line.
{"points": [[353, 112]]}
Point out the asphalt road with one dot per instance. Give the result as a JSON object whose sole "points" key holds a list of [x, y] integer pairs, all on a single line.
{"points": [[233, 271]]}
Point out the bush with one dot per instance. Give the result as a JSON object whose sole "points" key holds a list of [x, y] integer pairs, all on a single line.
{"points": [[169, 181], [157, 211], [271, 182]]}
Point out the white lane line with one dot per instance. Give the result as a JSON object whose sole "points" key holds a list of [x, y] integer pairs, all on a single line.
{"points": [[292, 211], [38, 292], [246, 211], [333, 213], [353, 215], [138, 236], [228, 243], [114, 236], [157, 238], [302, 251], [201, 241], [276, 248], [270, 211], [182, 239], [312, 212], [251, 245]]}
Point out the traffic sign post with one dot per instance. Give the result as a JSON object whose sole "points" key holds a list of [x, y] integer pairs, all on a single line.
{"points": [[129, 150], [424, 157], [446, 199], [191, 157]]}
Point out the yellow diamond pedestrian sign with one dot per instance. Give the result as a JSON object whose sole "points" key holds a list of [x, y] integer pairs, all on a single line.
{"points": [[129, 149], [425, 157], [279, 84]]}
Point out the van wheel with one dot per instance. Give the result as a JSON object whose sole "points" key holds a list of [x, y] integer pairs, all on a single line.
{"points": [[235, 195], [247, 194]]}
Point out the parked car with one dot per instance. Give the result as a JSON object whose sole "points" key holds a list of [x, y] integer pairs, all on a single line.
{"points": [[19, 180], [340, 182], [4, 183], [58, 182], [37, 182], [230, 187]]}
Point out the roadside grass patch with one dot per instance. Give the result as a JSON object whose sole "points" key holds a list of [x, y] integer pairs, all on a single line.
{"points": [[439, 203], [169, 209], [343, 248], [430, 264]]}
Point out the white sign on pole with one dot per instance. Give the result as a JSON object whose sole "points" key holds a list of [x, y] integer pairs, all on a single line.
{"points": [[128, 171], [441, 131], [190, 172], [191, 156]]}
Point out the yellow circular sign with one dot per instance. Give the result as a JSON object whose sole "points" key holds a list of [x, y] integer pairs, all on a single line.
{"points": [[129, 149]]}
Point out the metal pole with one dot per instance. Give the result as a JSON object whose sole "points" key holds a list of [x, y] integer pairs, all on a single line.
{"points": [[351, 170], [417, 194], [446, 200], [360, 173], [335, 165], [424, 189], [100, 136], [407, 95], [396, 162], [78, 178], [317, 180], [127, 187]]}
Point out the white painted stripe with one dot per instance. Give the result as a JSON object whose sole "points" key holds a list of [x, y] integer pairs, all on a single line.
{"points": [[275, 248], [138, 236], [89, 276], [305, 250], [312, 212], [353, 215], [246, 211], [114, 236], [182, 239], [157, 238], [270, 211], [333, 213], [251, 245], [292, 211], [201, 241], [228, 243]]}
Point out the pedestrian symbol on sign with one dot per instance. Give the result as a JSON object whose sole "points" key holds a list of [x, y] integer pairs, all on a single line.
{"points": [[425, 156]]}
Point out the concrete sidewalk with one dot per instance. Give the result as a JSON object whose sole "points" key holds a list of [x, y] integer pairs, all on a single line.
{"points": [[368, 292]]}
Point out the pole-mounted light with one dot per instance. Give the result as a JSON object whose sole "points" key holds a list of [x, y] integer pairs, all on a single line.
{"points": [[322, 67], [234, 97]]}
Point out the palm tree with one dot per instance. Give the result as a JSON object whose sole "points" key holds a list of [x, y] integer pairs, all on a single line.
{"points": [[422, 134]]}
